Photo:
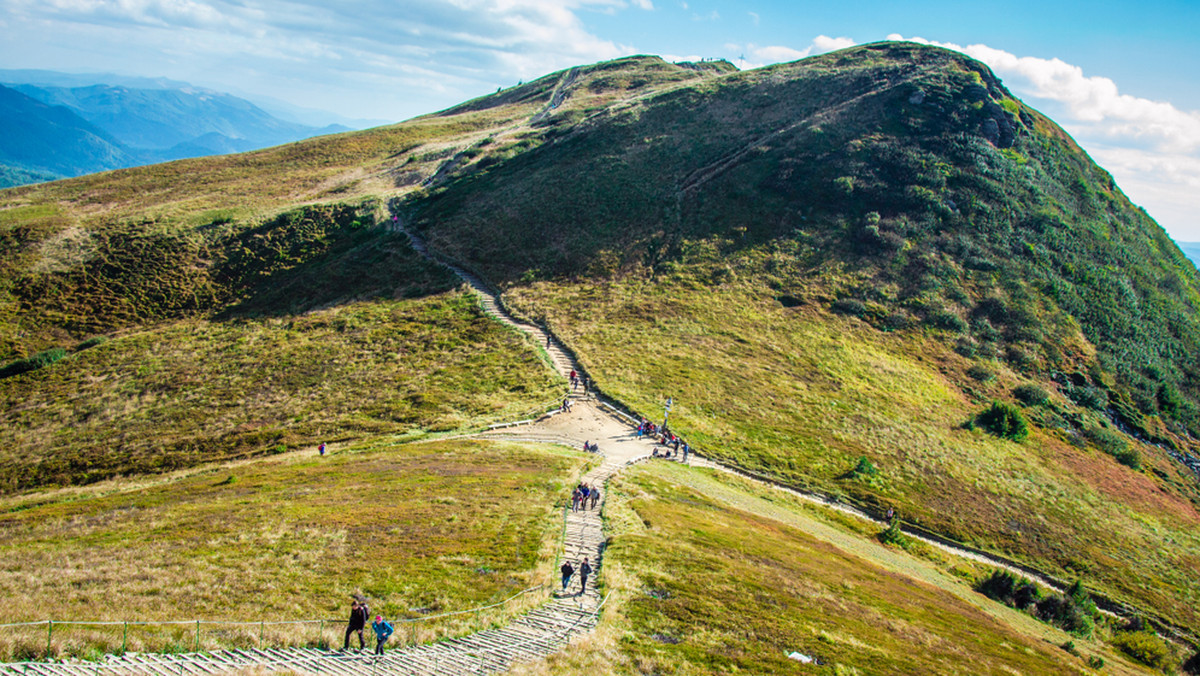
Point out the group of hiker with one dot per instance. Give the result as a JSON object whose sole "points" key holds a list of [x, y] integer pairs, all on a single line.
{"points": [[667, 444], [359, 613], [578, 380], [568, 571], [582, 494]]}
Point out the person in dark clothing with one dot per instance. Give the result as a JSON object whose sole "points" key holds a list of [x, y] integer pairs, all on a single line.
{"points": [[383, 629], [567, 572], [584, 571], [358, 621]]}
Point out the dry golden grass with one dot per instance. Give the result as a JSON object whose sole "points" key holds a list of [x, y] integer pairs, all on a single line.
{"points": [[419, 528]]}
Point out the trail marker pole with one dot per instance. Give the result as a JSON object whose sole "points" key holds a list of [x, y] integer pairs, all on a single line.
{"points": [[667, 410], [197, 635], [262, 627], [49, 636], [124, 636], [320, 633]]}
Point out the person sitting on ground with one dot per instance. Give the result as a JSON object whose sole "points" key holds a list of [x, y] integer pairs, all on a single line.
{"points": [[383, 630]]}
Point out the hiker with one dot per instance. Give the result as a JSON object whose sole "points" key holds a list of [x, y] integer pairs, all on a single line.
{"points": [[575, 496], [891, 514], [595, 496], [358, 621], [547, 341], [567, 572], [321, 449], [686, 448], [583, 495], [587, 447], [584, 571], [382, 631]]}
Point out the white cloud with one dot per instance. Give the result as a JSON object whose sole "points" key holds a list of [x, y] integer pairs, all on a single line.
{"points": [[754, 17], [766, 55]]}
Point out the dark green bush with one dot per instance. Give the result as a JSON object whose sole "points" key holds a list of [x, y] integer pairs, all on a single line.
{"points": [[91, 342], [981, 373], [892, 535], [864, 468], [947, 321], [849, 306], [1031, 395], [1004, 420], [33, 363], [1192, 665], [1087, 396]]}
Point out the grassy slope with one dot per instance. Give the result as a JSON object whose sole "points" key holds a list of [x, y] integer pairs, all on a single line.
{"points": [[800, 395], [711, 576], [437, 526], [823, 180], [198, 391]]}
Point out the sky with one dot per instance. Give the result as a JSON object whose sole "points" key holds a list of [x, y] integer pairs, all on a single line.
{"points": [[1121, 77]]}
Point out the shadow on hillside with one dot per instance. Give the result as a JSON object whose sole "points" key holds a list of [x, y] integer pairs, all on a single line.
{"points": [[321, 257]]}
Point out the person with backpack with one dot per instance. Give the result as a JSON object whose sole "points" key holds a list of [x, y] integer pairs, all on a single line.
{"points": [[358, 621], [567, 572], [383, 630], [584, 570]]}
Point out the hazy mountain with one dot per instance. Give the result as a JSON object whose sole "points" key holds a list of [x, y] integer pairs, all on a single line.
{"points": [[53, 139], [115, 125]]}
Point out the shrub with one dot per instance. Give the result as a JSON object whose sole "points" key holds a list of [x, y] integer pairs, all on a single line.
{"points": [[1031, 395], [966, 347], [91, 342], [1144, 646], [1087, 396], [1096, 662], [1192, 666], [849, 306], [892, 535], [998, 586], [981, 373], [864, 468], [1004, 420], [33, 363], [947, 321]]}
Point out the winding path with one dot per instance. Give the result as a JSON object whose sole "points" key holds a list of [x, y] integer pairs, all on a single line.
{"points": [[538, 633]]}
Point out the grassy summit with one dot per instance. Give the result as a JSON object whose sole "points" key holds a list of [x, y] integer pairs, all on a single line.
{"points": [[846, 257]]}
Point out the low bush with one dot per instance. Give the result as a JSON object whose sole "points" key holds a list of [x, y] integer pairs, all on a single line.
{"points": [[864, 468], [947, 321], [37, 361], [1004, 420], [91, 342], [1087, 396], [849, 306], [1192, 665], [981, 373], [1031, 395], [1145, 647], [892, 535]]}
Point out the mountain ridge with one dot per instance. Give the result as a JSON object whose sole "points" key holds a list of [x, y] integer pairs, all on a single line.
{"points": [[834, 263]]}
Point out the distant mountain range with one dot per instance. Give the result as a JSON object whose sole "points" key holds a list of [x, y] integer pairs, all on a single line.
{"points": [[57, 125]]}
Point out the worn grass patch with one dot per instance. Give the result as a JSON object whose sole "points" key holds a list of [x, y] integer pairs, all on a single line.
{"points": [[197, 391], [419, 528], [800, 395]]}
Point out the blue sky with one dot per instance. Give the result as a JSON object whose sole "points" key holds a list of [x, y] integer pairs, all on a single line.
{"points": [[1119, 76]]}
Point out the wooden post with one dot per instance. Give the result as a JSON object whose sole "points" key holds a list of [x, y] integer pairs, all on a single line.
{"points": [[197, 635], [320, 633], [262, 627], [49, 636], [124, 636]]}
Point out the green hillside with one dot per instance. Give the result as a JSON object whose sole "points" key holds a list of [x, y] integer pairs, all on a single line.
{"points": [[833, 263]]}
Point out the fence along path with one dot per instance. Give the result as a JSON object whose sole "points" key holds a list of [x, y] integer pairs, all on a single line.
{"points": [[537, 633]]}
